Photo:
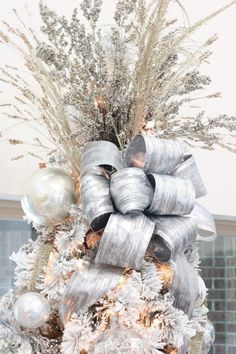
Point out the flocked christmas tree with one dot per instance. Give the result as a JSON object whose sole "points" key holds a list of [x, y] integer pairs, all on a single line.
{"points": [[115, 266]]}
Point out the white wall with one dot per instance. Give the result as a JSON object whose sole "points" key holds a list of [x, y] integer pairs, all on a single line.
{"points": [[218, 168]]}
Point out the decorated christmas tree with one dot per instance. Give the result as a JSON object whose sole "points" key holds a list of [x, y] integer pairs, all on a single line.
{"points": [[115, 265]]}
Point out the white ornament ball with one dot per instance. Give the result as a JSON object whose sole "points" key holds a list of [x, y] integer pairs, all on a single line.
{"points": [[48, 196], [31, 310]]}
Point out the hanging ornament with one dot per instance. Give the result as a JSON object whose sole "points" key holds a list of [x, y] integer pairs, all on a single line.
{"points": [[31, 310], [48, 196]]}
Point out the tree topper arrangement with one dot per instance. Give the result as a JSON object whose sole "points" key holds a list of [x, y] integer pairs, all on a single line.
{"points": [[115, 266]]}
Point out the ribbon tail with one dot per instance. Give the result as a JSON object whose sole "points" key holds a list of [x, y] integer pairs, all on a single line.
{"points": [[125, 240], [172, 235], [185, 285], [205, 223], [86, 286], [95, 198], [189, 170]]}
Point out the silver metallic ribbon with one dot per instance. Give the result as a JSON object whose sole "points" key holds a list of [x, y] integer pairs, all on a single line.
{"points": [[187, 169], [95, 198], [205, 223], [185, 285], [130, 190], [86, 286], [125, 240], [154, 155], [178, 233], [144, 203], [100, 153], [172, 195], [126, 187]]}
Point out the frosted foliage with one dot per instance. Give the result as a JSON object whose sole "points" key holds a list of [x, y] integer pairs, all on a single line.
{"points": [[25, 260], [77, 334]]}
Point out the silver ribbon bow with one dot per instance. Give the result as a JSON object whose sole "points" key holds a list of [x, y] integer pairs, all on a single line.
{"points": [[152, 192], [144, 203]]}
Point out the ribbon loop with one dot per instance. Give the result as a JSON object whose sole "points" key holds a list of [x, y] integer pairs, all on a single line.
{"points": [[100, 153], [172, 195], [154, 155], [205, 223], [185, 285], [125, 240], [178, 234], [188, 170], [86, 286], [159, 249], [131, 190], [158, 181], [95, 199]]}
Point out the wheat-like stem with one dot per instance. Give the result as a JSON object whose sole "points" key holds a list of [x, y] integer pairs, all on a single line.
{"points": [[152, 56]]}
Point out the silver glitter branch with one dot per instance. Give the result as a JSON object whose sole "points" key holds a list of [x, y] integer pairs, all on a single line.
{"points": [[145, 72], [112, 86]]}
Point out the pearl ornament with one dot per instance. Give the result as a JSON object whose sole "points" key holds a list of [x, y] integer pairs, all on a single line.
{"points": [[31, 310], [48, 196]]}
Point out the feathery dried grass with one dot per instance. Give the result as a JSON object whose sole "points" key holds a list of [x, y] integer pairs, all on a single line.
{"points": [[37, 99], [93, 87]]}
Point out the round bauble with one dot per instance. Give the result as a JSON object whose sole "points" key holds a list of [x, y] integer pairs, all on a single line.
{"points": [[48, 196], [31, 310]]}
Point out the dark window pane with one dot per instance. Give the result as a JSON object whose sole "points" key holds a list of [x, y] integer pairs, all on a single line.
{"points": [[13, 234], [219, 272]]}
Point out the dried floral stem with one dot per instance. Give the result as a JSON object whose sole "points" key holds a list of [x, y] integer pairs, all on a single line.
{"points": [[144, 78], [92, 89], [50, 106]]}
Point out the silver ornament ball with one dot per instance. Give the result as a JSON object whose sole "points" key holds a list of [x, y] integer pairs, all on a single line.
{"points": [[48, 196], [31, 310]]}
